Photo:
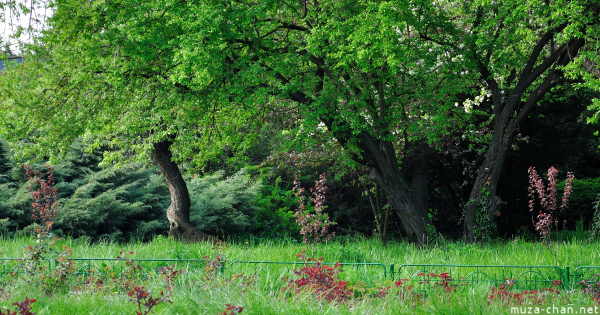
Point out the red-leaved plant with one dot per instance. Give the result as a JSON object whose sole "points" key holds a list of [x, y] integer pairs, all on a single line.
{"points": [[232, 309], [43, 194], [43, 211], [170, 275], [314, 224], [548, 217], [320, 280], [145, 302], [23, 308], [214, 265], [504, 295]]}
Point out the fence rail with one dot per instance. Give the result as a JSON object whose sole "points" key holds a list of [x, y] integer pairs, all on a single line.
{"points": [[530, 277], [365, 272]]}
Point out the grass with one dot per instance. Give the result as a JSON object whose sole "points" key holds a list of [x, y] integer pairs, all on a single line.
{"points": [[260, 290]]}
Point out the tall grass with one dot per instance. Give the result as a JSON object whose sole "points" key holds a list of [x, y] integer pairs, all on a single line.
{"points": [[194, 294]]}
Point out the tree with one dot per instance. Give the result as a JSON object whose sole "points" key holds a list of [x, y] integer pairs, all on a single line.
{"points": [[519, 50], [103, 72], [357, 71], [170, 79]]}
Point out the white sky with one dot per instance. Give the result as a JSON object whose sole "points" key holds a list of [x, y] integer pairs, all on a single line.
{"points": [[10, 22]]}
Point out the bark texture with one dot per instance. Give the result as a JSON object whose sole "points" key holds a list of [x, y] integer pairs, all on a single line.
{"points": [[380, 155], [178, 212]]}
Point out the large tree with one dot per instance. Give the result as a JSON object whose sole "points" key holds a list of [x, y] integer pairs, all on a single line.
{"points": [[171, 80], [519, 50], [106, 71], [357, 70]]}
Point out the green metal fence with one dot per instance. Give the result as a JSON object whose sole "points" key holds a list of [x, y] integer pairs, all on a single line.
{"points": [[585, 275], [354, 272], [103, 266], [524, 277], [519, 277]]}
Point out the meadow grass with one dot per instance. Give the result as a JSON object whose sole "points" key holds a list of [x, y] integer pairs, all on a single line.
{"points": [[260, 289]]}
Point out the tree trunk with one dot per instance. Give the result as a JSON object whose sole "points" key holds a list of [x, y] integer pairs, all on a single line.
{"points": [[376, 153], [381, 213], [178, 212], [483, 196], [385, 172], [416, 167], [510, 111]]}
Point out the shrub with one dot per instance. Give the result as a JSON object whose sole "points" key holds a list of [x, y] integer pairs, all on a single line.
{"points": [[116, 203], [223, 206], [320, 280], [581, 202], [119, 204], [274, 215], [313, 221], [549, 217]]}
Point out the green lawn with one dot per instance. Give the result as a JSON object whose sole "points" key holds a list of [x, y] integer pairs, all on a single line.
{"points": [[261, 288]]}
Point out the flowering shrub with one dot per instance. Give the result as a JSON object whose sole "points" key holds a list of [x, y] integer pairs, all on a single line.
{"points": [[548, 217], [314, 224]]}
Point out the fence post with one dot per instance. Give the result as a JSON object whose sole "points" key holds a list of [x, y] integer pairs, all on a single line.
{"points": [[567, 272], [392, 271]]}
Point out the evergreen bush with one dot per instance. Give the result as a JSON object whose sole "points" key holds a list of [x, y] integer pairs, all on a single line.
{"points": [[116, 203], [223, 206], [582, 201]]}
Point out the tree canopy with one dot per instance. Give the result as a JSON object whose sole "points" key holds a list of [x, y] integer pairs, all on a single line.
{"points": [[386, 80]]}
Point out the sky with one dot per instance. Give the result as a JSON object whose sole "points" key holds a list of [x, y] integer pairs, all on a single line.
{"points": [[10, 21]]}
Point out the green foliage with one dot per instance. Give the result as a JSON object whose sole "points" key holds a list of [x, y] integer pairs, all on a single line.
{"points": [[274, 216], [596, 221], [581, 201], [15, 205], [116, 203], [485, 228], [207, 75], [119, 204], [223, 206]]}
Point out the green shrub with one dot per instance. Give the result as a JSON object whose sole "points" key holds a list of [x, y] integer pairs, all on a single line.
{"points": [[581, 202], [223, 206], [274, 216], [116, 203], [119, 204]]}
